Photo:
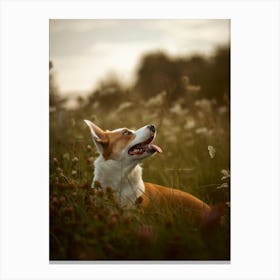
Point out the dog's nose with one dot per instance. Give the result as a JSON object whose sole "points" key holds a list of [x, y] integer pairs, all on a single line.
{"points": [[152, 127]]}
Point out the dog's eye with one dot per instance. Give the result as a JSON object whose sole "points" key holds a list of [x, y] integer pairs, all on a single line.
{"points": [[127, 132]]}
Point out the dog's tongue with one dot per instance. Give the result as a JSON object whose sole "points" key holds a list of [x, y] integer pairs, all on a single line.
{"points": [[155, 147]]}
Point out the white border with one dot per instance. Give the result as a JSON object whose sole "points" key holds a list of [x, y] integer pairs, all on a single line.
{"points": [[255, 138]]}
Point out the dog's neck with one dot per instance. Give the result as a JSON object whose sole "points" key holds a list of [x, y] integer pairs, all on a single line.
{"points": [[125, 179]]}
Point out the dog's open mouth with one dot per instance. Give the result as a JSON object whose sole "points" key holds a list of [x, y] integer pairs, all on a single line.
{"points": [[144, 147]]}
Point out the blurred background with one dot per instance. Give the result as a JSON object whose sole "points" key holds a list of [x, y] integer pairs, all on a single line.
{"points": [[129, 73]]}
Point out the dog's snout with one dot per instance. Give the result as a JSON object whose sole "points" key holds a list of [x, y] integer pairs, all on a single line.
{"points": [[152, 127]]}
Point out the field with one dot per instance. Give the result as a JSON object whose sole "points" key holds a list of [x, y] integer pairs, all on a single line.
{"points": [[89, 225]]}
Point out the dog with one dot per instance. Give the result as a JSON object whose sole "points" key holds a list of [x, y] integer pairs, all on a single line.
{"points": [[118, 166]]}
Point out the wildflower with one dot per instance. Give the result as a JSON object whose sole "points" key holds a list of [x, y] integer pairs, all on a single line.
{"points": [[66, 156], [55, 201], [60, 172], [158, 100], [110, 194], [113, 221], [75, 159], [100, 193], [177, 109], [68, 210], [74, 172], [186, 81], [123, 106], [190, 123], [97, 185], [225, 173], [193, 89], [58, 169], [212, 151], [204, 104], [224, 185], [108, 190], [52, 109], [90, 159], [55, 161], [201, 130], [62, 199], [146, 234], [114, 218], [222, 110], [127, 221]]}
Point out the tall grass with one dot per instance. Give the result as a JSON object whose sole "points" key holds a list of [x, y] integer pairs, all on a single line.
{"points": [[88, 225]]}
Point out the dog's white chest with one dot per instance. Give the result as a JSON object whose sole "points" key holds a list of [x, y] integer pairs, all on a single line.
{"points": [[125, 181]]}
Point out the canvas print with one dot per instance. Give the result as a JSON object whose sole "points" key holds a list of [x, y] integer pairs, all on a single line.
{"points": [[139, 150]]}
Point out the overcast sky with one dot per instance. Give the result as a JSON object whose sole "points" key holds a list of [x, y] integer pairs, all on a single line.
{"points": [[85, 51]]}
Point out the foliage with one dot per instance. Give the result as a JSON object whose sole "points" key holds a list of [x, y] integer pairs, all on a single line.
{"points": [[194, 133], [158, 72]]}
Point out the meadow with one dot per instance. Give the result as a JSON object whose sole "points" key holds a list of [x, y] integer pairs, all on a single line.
{"points": [[188, 100], [89, 225]]}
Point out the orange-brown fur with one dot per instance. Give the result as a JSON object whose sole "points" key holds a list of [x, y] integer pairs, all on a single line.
{"points": [[113, 142], [157, 196]]}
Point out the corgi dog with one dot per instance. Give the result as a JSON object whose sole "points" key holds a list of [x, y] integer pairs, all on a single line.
{"points": [[118, 166]]}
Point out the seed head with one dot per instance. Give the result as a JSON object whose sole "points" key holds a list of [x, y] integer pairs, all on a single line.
{"points": [[212, 151], [55, 161], [90, 160], [100, 193], [75, 159], [146, 234], [66, 156], [59, 170], [62, 199]]}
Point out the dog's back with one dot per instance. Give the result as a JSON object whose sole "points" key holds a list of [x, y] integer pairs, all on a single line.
{"points": [[156, 195]]}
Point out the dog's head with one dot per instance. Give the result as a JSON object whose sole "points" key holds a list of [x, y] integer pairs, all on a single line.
{"points": [[123, 143]]}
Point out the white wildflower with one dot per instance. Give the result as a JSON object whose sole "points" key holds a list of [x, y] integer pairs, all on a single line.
{"points": [[201, 130], [75, 159], [225, 173], [223, 186], [52, 109], [212, 151], [192, 89], [177, 109], [158, 100], [186, 80], [123, 106], [190, 123], [66, 156], [204, 104], [222, 110]]}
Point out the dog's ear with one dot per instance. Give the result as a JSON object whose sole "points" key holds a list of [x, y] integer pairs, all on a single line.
{"points": [[98, 135]]}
